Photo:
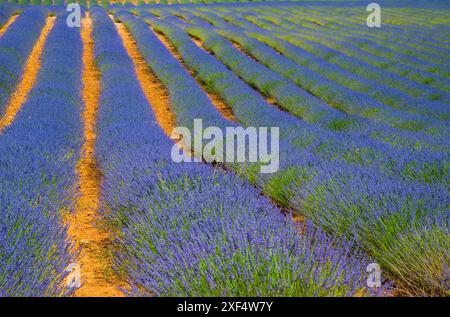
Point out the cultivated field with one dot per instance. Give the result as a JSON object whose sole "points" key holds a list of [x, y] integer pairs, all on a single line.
{"points": [[92, 202]]}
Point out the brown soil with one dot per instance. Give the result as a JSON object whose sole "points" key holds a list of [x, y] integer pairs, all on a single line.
{"points": [[8, 23], [30, 72], [84, 228], [215, 99], [237, 46], [154, 90]]}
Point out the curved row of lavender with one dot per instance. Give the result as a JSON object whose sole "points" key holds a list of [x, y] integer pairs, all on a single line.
{"points": [[333, 77], [336, 86], [349, 58], [423, 166], [351, 112], [410, 57], [338, 182], [37, 166], [190, 229]]}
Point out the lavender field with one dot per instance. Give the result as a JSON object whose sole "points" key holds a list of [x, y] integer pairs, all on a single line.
{"points": [[110, 187]]}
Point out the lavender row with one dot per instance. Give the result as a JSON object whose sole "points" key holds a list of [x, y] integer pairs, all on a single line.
{"points": [[189, 229], [420, 70], [352, 64], [338, 96], [305, 181], [15, 46], [37, 174], [376, 51]]}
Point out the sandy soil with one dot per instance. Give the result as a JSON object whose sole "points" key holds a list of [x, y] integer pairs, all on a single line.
{"points": [[154, 90], [29, 75], [8, 23], [84, 225]]}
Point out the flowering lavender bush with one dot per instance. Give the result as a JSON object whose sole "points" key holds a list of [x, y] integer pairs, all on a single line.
{"points": [[387, 59], [192, 230], [377, 90], [37, 174], [6, 11], [228, 243], [309, 166], [15, 46]]}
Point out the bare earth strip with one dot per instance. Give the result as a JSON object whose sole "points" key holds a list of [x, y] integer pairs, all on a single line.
{"points": [[30, 72], [8, 23], [154, 90], [83, 226]]}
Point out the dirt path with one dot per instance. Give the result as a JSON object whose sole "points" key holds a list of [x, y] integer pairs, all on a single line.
{"points": [[30, 72], [8, 24], [154, 90], [84, 228]]}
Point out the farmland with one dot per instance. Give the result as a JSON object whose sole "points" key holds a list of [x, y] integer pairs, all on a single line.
{"points": [[89, 184]]}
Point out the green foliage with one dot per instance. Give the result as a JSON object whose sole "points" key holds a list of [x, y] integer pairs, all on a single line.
{"points": [[339, 124], [281, 184]]}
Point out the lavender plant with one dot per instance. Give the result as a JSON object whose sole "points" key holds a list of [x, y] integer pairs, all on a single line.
{"points": [[37, 174], [192, 230], [15, 46], [304, 167]]}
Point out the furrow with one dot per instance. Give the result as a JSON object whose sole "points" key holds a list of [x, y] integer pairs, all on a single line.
{"points": [[28, 80]]}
